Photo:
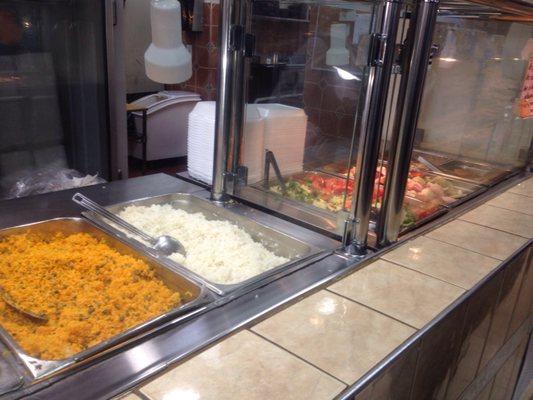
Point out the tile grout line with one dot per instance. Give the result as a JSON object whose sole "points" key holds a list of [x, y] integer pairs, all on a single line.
{"points": [[327, 289], [434, 277], [487, 204], [496, 229], [489, 227], [505, 208], [137, 392], [298, 357], [464, 248], [449, 244], [519, 194]]}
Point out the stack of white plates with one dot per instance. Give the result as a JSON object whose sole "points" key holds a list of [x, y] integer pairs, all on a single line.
{"points": [[275, 127], [285, 130], [201, 141], [252, 148]]}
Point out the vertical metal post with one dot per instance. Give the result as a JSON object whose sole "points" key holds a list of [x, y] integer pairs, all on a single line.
{"points": [[239, 86], [404, 128], [230, 79], [370, 124], [116, 89]]}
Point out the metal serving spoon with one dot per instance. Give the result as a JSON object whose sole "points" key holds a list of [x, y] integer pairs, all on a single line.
{"points": [[13, 304], [165, 244]]}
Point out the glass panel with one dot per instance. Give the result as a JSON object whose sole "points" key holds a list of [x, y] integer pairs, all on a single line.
{"points": [[470, 131], [471, 116], [52, 94], [304, 87]]}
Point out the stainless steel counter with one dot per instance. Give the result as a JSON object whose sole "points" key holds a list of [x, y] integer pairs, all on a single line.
{"points": [[121, 369]]}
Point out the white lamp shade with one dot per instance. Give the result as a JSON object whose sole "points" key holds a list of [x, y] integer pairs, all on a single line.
{"points": [[338, 53], [167, 60]]}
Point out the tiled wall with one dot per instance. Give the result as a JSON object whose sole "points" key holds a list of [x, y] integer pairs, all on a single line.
{"points": [[329, 101], [205, 53], [465, 344]]}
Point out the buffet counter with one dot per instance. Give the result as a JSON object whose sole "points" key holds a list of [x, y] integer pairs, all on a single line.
{"points": [[436, 315], [446, 314]]}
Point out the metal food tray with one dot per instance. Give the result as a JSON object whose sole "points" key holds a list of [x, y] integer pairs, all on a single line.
{"points": [[470, 189], [299, 253], [484, 174], [298, 175], [439, 210], [199, 296], [333, 169]]}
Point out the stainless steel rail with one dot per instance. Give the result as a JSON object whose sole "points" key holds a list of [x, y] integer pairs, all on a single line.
{"points": [[230, 104], [404, 128], [240, 87], [520, 7], [370, 124]]}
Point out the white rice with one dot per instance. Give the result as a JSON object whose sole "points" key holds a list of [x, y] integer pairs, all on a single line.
{"points": [[219, 251]]}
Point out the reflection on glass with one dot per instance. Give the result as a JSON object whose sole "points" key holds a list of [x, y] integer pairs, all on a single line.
{"points": [[470, 131], [305, 82], [53, 117], [470, 106]]}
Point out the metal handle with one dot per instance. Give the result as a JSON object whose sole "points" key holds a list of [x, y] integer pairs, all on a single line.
{"points": [[97, 208]]}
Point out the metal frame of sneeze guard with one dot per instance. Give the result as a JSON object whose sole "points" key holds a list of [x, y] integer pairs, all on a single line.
{"points": [[369, 125], [405, 123], [370, 116], [231, 87]]}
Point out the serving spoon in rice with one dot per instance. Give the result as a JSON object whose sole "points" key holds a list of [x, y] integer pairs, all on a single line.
{"points": [[13, 304], [165, 244]]}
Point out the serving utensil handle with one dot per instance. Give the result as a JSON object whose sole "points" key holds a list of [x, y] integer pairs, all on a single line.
{"points": [[90, 205]]}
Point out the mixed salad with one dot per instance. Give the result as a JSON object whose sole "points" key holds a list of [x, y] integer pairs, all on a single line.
{"points": [[425, 192]]}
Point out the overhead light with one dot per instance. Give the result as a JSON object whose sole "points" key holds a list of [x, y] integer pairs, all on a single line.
{"points": [[448, 59], [167, 60], [347, 76]]}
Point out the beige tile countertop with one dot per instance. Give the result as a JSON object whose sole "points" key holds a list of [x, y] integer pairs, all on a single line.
{"points": [[317, 347]]}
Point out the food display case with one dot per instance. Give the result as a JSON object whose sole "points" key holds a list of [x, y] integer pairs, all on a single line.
{"points": [[312, 136], [470, 128], [379, 117], [465, 137]]}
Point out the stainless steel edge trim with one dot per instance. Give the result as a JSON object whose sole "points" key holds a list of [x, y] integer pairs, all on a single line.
{"points": [[116, 89], [411, 91], [239, 90]]}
